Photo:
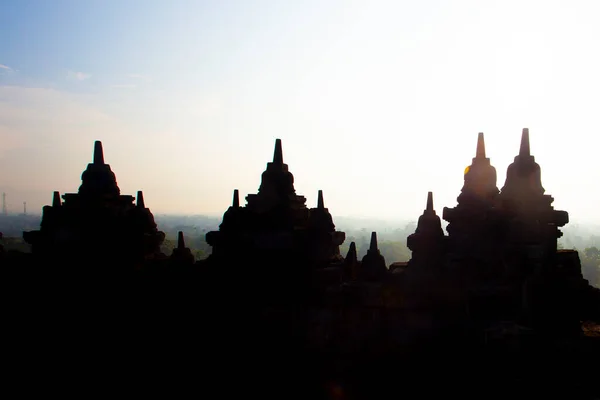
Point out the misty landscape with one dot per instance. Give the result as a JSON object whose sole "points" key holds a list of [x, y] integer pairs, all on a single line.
{"points": [[391, 237]]}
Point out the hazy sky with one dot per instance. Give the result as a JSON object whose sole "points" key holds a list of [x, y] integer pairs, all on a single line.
{"points": [[377, 102]]}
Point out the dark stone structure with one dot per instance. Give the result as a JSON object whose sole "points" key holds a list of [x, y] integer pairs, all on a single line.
{"points": [[276, 225], [533, 224], [530, 246], [428, 243], [500, 254], [473, 226], [182, 255], [373, 266], [495, 293], [351, 264], [97, 224]]}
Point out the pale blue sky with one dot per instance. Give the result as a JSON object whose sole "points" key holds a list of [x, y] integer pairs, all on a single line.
{"points": [[377, 102]]}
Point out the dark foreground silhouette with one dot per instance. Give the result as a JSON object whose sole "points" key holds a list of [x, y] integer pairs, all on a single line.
{"points": [[491, 310]]}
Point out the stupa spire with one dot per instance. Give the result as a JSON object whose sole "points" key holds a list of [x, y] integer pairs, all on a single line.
{"points": [[480, 176], [140, 199], [180, 240], [480, 153], [236, 199], [525, 150], [181, 254], [351, 256], [56, 199], [98, 153], [373, 266], [373, 244], [429, 207], [523, 176], [278, 153], [320, 202]]}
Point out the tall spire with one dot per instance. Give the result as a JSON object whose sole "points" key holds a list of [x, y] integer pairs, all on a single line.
{"points": [[429, 207], [56, 199], [480, 146], [480, 176], [351, 262], [278, 154], [180, 240], [352, 256], [320, 202], [98, 153], [525, 149], [373, 245], [140, 199], [373, 266], [236, 199]]}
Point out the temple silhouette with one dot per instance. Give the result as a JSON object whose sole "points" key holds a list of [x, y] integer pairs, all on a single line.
{"points": [[497, 270], [77, 225]]}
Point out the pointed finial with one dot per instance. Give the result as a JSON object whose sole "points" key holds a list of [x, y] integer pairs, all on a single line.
{"points": [[373, 245], [278, 154], [525, 150], [320, 202], [429, 201], [98, 153], [140, 199], [352, 256], [236, 199], [180, 241], [56, 199], [480, 146]]}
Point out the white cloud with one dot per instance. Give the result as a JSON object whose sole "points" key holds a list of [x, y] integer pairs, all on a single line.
{"points": [[6, 67], [123, 86], [79, 76]]}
